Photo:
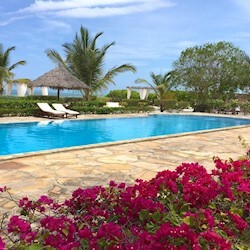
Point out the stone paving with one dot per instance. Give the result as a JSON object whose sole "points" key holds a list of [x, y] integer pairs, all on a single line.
{"points": [[58, 174]]}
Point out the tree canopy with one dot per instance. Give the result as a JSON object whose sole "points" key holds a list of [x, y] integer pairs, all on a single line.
{"points": [[212, 71], [86, 61]]}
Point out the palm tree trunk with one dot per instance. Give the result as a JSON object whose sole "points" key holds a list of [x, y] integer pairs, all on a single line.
{"points": [[1, 87], [161, 107], [87, 94]]}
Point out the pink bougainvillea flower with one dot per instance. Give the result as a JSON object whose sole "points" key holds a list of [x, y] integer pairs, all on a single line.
{"points": [[214, 239], [109, 231], [28, 237], [2, 244], [112, 184], [3, 189], [45, 200], [199, 188], [244, 187], [167, 233], [85, 233], [166, 180], [238, 221], [18, 225], [26, 204], [208, 213]]}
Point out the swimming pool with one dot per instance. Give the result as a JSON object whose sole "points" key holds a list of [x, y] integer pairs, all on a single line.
{"points": [[18, 138]]}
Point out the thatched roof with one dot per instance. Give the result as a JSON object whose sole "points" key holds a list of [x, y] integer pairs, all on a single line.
{"points": [[58, 78]]}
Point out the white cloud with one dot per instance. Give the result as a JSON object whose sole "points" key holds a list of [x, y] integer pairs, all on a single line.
{"points": [[51, 24], [84, 8], [93, 8], [12, 20]]}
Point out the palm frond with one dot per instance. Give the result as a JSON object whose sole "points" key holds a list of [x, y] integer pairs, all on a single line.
{"points": [[55, 57], [13, 66], [93, 43], [160, 83]]}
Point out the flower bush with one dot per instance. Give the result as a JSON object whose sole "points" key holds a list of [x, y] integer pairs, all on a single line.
{"points": [[188, 208]]}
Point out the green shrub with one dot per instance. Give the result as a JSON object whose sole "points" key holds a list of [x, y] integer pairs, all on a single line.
{"points": [[202, 108], [135, 102], [107, 110], [95, 103], [18, 112], [152, 96], [218, 104], [142, 104], [168, 104], [170, 95], [245, 106], [118, 95], [27, 106], [182, 105], [185, 96], [124, 104], [41, 98]]}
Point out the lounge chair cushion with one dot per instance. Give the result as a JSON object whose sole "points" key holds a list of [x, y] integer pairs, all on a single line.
{"points": [[60, 107], [48, 110]]}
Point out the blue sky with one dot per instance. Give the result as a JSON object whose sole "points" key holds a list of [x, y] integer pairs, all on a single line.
{"points": [[149, 34]]}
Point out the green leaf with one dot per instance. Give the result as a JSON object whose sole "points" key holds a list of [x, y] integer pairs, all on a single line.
{"points": [[24, 212], [174, 218], [34, 247], [235, 210], [248, 219], [187, 220], [157, 216], [143, 214], [212, 206], [221, 233], [65, 231], [223, 214], [150, 227], [238, 247], [184, 208]]}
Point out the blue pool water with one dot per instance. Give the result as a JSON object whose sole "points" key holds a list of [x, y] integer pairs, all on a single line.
{"points": [[32, 137]]}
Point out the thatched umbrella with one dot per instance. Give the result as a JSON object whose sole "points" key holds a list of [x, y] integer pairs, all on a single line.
{"points": [[58, 78]]}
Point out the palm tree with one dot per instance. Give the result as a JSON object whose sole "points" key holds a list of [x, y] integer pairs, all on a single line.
{"points": [[5, 67], [161, 84], [85, 61]]}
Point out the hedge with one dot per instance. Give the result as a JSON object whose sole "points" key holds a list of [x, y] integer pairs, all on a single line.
{"points": [[27, 106]]}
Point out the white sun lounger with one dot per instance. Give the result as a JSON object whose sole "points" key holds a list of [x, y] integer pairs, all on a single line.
{"points": [[46, 109], [189, 109], [60, 107], [112, 105]]}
